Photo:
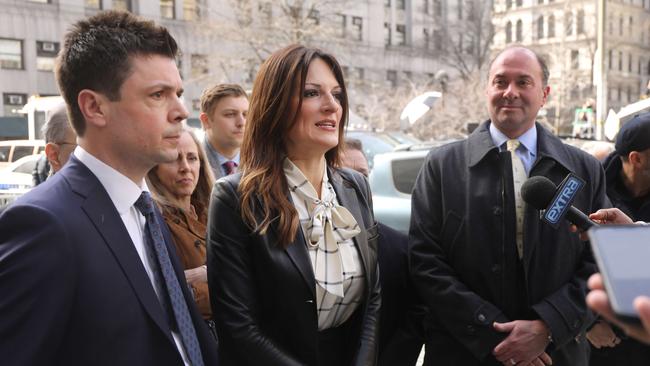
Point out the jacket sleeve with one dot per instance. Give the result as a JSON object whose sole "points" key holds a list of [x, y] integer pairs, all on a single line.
{"points": [[463, 313], [565, 311], [233, 294], [367, 353], [37, 281]]}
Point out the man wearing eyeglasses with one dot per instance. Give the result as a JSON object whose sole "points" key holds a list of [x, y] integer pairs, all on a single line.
{"points": [[60, 142]]}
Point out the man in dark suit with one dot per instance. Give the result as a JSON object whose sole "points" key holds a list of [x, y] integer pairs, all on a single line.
{"points": [[502, 286], [88, 275], [402, 314]]}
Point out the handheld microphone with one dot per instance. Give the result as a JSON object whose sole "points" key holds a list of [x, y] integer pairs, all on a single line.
{"points": [[555, 202]]}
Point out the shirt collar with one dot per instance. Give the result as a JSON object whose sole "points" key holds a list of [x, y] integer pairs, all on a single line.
{"points": [[121, 190], [215, 154], [528, 138]]}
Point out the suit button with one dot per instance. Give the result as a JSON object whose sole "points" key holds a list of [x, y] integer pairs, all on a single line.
{"points": [[496, 268], [481, 318], [496, 210], [471, 329], [197, 243]]}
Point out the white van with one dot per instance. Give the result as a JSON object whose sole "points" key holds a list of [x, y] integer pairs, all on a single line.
{"points": [[12, 150]]}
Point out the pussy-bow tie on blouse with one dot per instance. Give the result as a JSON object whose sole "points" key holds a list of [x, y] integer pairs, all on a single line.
{"points": [[328, 225]]}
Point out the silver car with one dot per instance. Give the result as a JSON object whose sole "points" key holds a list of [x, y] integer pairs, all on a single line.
{"points": [[391, 181]]}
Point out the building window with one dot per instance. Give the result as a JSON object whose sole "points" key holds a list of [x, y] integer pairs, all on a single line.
{"points": [[391, 76], [640, 66], [357, 25], [620, 26], [580, 22], [265, 9], [425, 6], [575, 59], [94, 4], [629, 62], [11, 54], [199, 65], [314, 15], [551, 26], [425, 37], [191, 10], [540, 27], [343, 22], [610, 57], [508, 32], [387, 34], [167, 9], [460, 9], [13, 102], [46, 55], [122, 5], [519, 31], [400, 4], [361, 74], [437, 40], [387, 3], [629, 26], [437, 7], [519, 3], [568, 26], [508, 4], [629, 94], [400, 33], [620, 61]]}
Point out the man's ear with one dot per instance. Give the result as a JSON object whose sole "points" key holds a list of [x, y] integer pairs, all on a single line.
{"points": [[52, 154], [547, 91], [92, 106], [205, 121]]}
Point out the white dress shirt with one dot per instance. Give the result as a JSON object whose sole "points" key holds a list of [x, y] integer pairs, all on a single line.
{"points": [[123, 192]]}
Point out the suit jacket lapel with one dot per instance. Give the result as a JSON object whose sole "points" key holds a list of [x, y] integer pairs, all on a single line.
{"points": [[347, 197], [100, 210], [297, 252]]}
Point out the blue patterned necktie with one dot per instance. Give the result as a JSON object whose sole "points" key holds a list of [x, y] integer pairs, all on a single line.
{"points": [[163, 270]]}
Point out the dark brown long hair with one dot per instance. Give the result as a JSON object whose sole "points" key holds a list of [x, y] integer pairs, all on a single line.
{"points": [[200, 196], [270, 117]]}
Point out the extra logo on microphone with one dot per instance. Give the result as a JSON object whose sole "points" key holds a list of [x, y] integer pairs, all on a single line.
{"points": [[563, 199]]}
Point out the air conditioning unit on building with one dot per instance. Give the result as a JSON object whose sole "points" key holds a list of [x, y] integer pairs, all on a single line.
{"points": [[15, 99], [48, 46]]}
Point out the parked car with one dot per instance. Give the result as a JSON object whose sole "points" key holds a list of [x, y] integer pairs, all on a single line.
{"points": [[381, 142], [392, 180], [16, 179], [12, 150]]}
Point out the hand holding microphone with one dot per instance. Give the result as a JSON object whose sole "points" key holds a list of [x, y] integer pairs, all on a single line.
{"points": [[541, 193]]}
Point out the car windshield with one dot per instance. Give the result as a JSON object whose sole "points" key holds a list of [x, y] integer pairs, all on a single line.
{"points": [[404, 173], [27, 167]]}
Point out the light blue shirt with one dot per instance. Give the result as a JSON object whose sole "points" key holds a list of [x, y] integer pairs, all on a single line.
{"points": [[527, 150]]}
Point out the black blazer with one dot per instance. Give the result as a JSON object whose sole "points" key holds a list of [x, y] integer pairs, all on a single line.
{"points": [[73, 290], [263, 296]]}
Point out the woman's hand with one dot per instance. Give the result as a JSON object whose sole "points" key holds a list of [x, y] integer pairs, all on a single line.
{"points": [[198, 274], [606, 216], [597, 300]]}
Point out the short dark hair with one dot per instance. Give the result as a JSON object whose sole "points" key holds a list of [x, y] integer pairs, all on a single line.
{"points": [[353, 144], [96, 55], [540, 60], [211, 96]]}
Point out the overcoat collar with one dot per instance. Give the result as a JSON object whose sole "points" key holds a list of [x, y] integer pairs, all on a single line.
{"points": [[480, 144]]}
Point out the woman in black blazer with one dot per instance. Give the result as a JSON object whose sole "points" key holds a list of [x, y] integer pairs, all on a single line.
{"points": [[292, 241]]}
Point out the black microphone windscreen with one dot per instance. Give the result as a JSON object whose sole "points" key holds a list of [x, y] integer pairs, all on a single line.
{"points": [[538, 191]]}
